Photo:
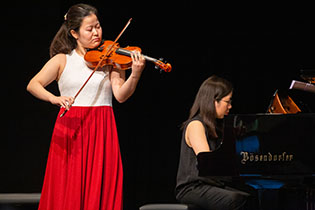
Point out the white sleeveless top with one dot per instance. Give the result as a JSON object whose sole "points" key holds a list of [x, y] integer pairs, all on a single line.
{"points": [[98, 90]]}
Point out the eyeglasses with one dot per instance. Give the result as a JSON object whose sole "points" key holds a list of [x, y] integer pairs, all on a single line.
{"points": [[228, 102]]}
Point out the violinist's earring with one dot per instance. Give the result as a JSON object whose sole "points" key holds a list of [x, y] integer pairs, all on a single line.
{"points": [[65, 16]]}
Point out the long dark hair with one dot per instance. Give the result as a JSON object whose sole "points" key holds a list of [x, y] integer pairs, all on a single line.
{"points": [[212, 89], [63, 41]]}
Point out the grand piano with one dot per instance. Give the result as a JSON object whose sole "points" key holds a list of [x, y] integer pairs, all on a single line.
{"points": [[273, 152], [268, 151]]}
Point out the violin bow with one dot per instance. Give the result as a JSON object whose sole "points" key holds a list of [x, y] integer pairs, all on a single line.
{"points": [[99, 64]]}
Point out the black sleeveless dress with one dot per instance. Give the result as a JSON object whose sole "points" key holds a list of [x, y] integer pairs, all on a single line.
{"points": [[205, 192], [187, 175]]}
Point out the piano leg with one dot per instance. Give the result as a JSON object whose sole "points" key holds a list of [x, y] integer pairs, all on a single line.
{"points": [[298, 197], [310, 199], [268, 192]]}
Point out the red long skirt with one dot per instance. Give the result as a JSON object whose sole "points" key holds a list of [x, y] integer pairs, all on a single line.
{"points": [[84, 169]]}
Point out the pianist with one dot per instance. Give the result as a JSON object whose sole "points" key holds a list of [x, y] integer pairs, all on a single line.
{"points": [[201, 134]]}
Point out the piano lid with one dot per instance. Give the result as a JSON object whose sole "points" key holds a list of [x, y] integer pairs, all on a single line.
{"points": [[264, 145]]}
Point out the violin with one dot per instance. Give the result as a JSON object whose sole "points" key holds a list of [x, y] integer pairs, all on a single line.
{"points": [[118, 57], [109, 53]]}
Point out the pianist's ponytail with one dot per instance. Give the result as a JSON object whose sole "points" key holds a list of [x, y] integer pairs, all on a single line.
{"points": [[211, 90]]}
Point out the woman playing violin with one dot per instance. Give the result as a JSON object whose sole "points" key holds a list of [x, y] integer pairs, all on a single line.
{"points": [[84, 169]]}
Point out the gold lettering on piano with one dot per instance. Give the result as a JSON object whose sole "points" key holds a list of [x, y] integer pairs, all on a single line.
{"points": [[252, 157]]}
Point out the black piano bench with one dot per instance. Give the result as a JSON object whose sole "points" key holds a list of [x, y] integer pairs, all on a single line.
{"points": [[169, 207]]}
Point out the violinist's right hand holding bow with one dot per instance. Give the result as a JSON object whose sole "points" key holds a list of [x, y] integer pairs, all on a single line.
{"points": [[62, 101]]}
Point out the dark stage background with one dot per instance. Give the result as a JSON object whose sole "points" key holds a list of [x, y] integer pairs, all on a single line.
{"points": [[259, 48]]}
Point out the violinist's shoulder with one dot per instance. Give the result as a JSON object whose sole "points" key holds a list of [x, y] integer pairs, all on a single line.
{"points": [[59, 62], [59, 59]]}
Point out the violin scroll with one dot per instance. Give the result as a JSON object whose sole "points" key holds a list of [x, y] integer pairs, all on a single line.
{"points": [[162, 65]]}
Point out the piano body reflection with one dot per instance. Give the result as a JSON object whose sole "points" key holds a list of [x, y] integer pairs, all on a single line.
{"points": [[278, 147]]}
